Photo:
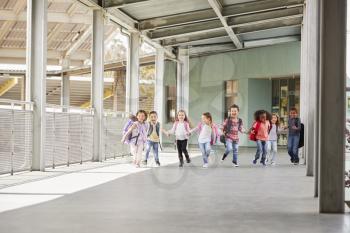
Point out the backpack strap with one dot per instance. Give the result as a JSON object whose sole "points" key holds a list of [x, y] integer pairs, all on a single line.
{"points": [[158, 129]]}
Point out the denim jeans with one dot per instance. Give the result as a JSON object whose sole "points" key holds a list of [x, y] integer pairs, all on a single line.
{"points": [[205, 149], [272, 150], [231, 146], [293, 147], [261, 150], [155, 146]]}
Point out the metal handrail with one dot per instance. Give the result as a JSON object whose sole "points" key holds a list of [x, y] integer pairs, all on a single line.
{"points": [[17, 102]]}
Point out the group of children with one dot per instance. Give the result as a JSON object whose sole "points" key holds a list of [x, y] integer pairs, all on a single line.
{"points": [[140, 133]]}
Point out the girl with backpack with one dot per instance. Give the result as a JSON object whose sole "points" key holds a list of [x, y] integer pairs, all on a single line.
{"points": [[181, 130], [153, 138], [260, 134], [273, 137], [208, 133], [136, 136]]}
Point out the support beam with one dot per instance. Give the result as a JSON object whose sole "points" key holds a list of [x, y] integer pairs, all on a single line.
{"points": [[65, 84], [159, 103], [36, 76], [8, 85], [78, 42], [107, 94], [332, 106], [234, 10], [182, 80], [240, 23], [217, 7], [97, 71], [121, 3], [132, 75]]}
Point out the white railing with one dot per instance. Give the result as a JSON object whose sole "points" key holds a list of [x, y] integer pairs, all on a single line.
{"points": [[113, 130], [69, 135], [16, 134]]}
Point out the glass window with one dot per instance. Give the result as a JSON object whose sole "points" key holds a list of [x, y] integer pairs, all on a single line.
{"points": [[231, 95], [170, 103]]}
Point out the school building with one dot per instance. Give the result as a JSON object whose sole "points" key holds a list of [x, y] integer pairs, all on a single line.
{"points": [[72, 72]]}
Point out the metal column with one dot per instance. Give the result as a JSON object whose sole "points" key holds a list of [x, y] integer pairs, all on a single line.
{"points": [[159, 103], [332, 106], [133, 72], [36, 75], [183, 79], [65, 84], [97, 71]]}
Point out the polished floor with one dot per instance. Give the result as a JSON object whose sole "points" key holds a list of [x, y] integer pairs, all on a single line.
{"points": [[169, 199]]}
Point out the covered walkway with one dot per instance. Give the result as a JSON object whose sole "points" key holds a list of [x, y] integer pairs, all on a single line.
{"points": [[168, 199]]}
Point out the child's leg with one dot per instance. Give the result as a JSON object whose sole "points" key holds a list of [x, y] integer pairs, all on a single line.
{"points": [[184, 149], [258, 150], [235, 152], [179, 151], [139, 149], [155, 151], [290, 147], [228, 149], [273, 151], [296, 149], [263, 152], [203, 151], [133, 152], [269, 151], [148, 149]]}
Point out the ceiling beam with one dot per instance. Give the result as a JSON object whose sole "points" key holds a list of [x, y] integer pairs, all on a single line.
{"points": [[75, 45], [55, 17], [217, 7], [260, 6], [208, 14], [234, 22], [121, 3]]}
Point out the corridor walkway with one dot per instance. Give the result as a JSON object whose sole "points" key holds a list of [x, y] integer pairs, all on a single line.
{"points": [[168, 199]]}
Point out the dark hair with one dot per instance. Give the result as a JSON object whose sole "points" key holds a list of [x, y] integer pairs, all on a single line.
{"points": [[208, 115], [153, 112], [234, 106], [293, 109], [258, 113], [184, 112], [141, 111]]}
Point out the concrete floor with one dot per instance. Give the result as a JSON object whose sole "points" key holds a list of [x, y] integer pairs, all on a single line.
{"points": [[192, 199]]}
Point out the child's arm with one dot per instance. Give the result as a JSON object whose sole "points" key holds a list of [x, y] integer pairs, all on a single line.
{"points": [[196, 129], [128, 132]]}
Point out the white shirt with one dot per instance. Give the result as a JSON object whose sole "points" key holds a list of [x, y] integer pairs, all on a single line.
{"points": [[205, 134]]}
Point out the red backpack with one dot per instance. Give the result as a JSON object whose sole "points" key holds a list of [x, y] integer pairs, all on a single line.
{"points": [[254, 131]]}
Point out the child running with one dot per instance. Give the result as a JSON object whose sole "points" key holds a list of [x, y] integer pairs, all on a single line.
{"points": [[181, 130], [272, 142], [208, 133], [260, 130], [231, 127], [136, 137], [153, 138], [294, 128]]}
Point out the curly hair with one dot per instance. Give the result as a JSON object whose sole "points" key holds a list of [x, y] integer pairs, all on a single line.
{"points": [[258, 113]]}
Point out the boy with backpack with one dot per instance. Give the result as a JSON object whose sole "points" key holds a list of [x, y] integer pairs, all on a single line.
{"points": [[294, 135], [231, 127], [153, 138]]}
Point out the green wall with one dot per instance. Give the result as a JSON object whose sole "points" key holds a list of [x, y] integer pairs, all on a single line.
{"points": [[253, 68]]}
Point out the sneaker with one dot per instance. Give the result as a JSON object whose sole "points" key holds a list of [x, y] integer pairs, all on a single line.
{"points": [[205, 165], [188, 161], [296, 163], [158, 163], [144, 162], [254, 161], [137, 166], [263, 163], [273, 163], [181, 165], [235, 164]]}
